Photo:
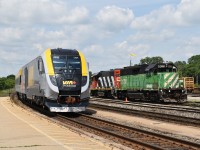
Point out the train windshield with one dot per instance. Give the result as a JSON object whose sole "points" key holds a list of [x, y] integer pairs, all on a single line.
{"points": [[66, 63], [166, 68]]}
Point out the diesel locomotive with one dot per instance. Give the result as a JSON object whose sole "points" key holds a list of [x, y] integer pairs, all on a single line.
{"points": [[58, 79], [151, 82]]}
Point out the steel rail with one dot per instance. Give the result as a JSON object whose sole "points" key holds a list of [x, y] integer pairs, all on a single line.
{"points": [[150, 105], [145, 140], [135, 143], [149, 114]]}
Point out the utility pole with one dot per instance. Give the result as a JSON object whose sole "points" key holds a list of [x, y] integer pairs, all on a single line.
{"points": [[133, 55]]}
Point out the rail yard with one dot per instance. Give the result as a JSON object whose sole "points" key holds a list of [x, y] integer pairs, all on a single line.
{"points": [[174, 113], [134, 107], [106, 75], [111, 129]]}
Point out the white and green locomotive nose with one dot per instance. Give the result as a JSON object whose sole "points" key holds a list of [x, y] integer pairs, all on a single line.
{"points": [[169, 80]]}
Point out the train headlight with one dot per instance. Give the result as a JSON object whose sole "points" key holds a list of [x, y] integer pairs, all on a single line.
{"points": [[53, 80]]}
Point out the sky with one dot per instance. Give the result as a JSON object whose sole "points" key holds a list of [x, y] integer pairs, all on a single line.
{"points": [[106, 31]]}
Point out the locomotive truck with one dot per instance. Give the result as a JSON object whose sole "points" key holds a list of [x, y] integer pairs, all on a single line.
{"points": [[58, 79], [152, 82]]}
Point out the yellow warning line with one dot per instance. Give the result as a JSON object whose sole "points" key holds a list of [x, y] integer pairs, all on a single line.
{"points": [[40, 131]]}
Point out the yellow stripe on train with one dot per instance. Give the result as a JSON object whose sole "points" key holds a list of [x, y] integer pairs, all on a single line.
{"points": [[50, 70], [83, 64]]}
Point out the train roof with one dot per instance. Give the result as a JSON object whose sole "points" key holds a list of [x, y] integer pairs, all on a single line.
{"points": [[61, 51], [160, 65], [137, 69], [140, 69]]}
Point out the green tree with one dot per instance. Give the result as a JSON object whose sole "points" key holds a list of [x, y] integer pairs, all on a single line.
{"points": [[193, 67], [11, 77], [146, 60], [7, 82], [181, 65], [2, 83], [151, 60]]}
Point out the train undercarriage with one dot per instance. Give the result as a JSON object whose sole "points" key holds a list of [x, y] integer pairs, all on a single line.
{"points": [[162, 95]]}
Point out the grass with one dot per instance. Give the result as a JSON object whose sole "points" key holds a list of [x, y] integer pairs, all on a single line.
{"points": [[4, 93], [194, 104]]}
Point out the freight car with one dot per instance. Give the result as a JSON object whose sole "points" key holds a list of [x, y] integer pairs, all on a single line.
{"points": [[58, 79], [187, 83], [153, 82]]}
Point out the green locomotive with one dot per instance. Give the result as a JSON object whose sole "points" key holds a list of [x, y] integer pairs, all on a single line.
{"points": [[153, 82]]}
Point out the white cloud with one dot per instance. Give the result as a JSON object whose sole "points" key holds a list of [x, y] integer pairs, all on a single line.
{"points": [[77, 15], [41, 12], [193, 41], [101, 31], [94, 50], [125, 48], [114, 18], [154, 19], [186, 13], [189, 47], [9, 34], [151, 36]]}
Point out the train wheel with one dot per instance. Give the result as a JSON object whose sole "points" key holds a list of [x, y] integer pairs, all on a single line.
{"points": [[179, 100], [119, 95]]}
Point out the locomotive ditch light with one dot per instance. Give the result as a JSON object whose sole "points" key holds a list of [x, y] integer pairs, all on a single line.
{"points": [[68, 99], [73, 100]]}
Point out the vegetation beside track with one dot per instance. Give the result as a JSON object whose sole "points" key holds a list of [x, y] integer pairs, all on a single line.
{"points": [[7, 92], [7, 85]]}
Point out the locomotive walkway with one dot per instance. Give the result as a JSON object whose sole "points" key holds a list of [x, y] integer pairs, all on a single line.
{"points": [[20, 129]]}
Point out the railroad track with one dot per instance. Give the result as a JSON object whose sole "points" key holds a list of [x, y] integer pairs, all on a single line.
{"points": [[128, 136], [151, 105], [179, 114]]}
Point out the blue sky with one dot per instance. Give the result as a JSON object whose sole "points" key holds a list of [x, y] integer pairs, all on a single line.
{"points": [[106, 31]]}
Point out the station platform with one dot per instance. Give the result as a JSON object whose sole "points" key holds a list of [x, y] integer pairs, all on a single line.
{"points": [[20, 129]]}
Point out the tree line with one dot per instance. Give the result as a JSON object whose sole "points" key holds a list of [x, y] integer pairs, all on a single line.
{"points": [[7, 82], [191, 68]]}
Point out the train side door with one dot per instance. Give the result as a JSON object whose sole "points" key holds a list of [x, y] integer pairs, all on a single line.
{"points": [[26, 80], [41, 77]]}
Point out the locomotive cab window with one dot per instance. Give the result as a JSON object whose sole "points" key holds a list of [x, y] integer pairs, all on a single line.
{"points": [[166, 68], [174, 70], [67, 64]]}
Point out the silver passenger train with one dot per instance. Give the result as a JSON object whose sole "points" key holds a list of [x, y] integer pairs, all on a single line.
{"points": [[57, 79]]}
